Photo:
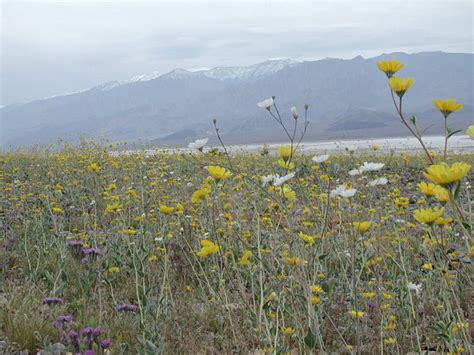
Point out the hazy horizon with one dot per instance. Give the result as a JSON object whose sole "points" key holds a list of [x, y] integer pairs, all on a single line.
{"points": [[56, 47]]}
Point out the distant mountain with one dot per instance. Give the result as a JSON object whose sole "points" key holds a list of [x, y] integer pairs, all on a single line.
{"points": [[347, 98]]}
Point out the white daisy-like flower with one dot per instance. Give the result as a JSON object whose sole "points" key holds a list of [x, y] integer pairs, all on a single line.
{"points": [[198, 144], [267, 179], [320, 158], [379, 181], [371, 166], [354, 172], [343, 192], [414, 287], [294, 112], [281, 180], [266, 104]]}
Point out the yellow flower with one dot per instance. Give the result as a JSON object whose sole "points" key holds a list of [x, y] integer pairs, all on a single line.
{"points": [[356, 314], [285, 164], [152, 258], [218, 173], [315, 300], [199, 195], [93, 167], [287, 330], [316, 289], [285, 191], [245, 259], [389, 341], [375, 148], [58, 210], [114, 269], [470, 131], [402, 202], [427, 266], [285, 152], [448, 106], [400, 85], [166, 210], [441, 194], [362, 227], [428, 215], [207, 248], [308, 239], [427, 189], [293, 261], [444, 174], [441, 221], [389, 67], [368, 295], [113, 208]]}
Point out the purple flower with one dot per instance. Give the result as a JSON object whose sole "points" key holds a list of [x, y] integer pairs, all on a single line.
{"points": [[75, 243], [62, 320], [89, 352], [53, 300], [126, 308], [104, 344], [87, 331], [97, 333], [90, 253], [74, 339]]}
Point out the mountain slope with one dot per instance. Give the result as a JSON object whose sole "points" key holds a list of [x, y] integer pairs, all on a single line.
{"points": [[346, 98]]}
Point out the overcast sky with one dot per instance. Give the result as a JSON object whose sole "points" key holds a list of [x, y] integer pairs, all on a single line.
{"points": [[53, 47]]}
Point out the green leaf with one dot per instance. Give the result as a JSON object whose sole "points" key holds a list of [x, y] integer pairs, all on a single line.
{"points": [[325, 287], [310, 339], [467, 226], [457, 190], [452, 133], [413, 120], [322, 257]]}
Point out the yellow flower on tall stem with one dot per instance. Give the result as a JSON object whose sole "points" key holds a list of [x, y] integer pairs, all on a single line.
{"points": [[400, 85], [218, 173], [286, 152], [389, 67], [446, 175], [448, 106], [428, 215], [207, 248]]}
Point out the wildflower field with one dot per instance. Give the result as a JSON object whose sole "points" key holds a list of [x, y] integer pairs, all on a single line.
{"points": [[204, 252]]}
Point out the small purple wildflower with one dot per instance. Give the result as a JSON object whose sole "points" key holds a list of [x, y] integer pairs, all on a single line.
{"points": [[62, 320], [104, 344], [53, 300], [74, 339], [89, 352]]}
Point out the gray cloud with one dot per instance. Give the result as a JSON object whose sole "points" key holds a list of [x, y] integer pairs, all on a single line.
{"points": [[51, 47]]}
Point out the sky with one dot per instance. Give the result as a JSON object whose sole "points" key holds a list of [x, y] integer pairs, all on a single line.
{"points": [[55, 47]]}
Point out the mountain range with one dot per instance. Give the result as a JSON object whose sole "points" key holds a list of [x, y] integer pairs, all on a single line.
{"points": [[347, 98]]}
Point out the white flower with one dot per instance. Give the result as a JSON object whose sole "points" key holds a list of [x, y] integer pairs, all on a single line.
{"points": [[281, 180], [198, 144], [354, 172], [267, 179], [414, 287], [379, 181], [342, 191], [158, 239], [266, 104], [371, 166], [320, 158], [294, 112]]}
